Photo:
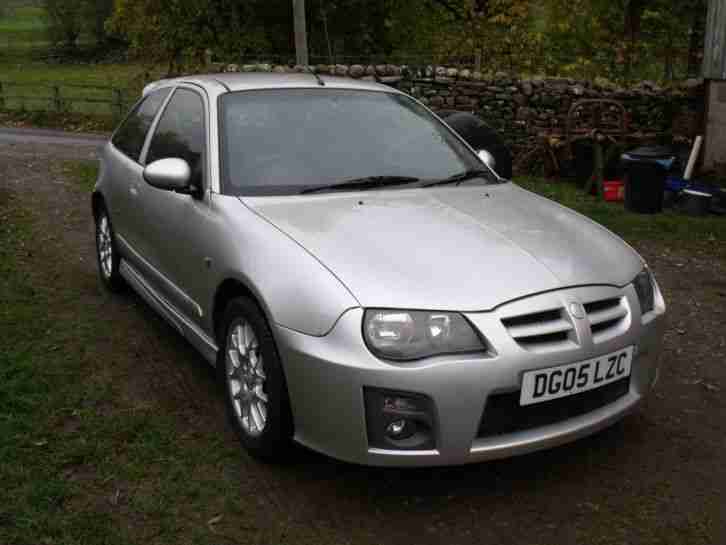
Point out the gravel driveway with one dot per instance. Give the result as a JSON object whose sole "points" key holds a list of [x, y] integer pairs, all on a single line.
{"points": [[659, 476]]}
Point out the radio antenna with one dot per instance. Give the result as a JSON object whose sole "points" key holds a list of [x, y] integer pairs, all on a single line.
{"points": [[310, 71]]}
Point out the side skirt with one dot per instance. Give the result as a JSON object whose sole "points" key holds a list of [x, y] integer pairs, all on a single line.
{"points": [[200, 340]]}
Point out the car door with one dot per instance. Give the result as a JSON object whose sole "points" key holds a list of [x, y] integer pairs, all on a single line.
{"points": [[173, 223], [125, 170]]}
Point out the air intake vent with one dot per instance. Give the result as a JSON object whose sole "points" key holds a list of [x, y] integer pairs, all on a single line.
{"points": [[503, 413], [607, 318], [541, 331]]}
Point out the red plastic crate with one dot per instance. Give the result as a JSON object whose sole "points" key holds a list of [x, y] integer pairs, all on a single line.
{"points": [[614, 190]]}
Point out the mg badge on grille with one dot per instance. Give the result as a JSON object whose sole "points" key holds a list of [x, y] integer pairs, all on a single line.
{"points": [[577, 310]]}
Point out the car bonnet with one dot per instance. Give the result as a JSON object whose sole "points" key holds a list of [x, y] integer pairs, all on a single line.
{"points": [[468, 248]]}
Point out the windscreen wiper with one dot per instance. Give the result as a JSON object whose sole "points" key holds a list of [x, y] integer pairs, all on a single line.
{"points": [[369, 182], [462, 177]]}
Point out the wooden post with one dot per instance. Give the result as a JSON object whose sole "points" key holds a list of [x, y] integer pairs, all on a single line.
{"points": [[118, 102], [57, 104], [714, 72], [596, 182], [301, 37]]}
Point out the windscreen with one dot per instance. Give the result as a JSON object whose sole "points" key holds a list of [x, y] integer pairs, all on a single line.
{"points": [[282, 141]]}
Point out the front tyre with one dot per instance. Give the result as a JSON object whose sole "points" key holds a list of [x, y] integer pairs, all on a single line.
{"points": [[107, 254], [254, 385]]}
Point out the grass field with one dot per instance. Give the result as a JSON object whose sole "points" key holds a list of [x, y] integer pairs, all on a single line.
{"points": [[22, 27], [27, 384], [60, 435], [27, 78], [62, 89]]}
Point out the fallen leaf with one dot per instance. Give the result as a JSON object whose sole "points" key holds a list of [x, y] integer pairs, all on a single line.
{"points": [[711, 387], [115, 497]]}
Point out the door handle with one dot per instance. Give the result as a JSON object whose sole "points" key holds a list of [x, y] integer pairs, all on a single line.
{"points": [[134, 192]]}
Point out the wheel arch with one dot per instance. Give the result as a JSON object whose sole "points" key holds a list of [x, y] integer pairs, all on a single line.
{"points": [[231, 288], [97, 203]]}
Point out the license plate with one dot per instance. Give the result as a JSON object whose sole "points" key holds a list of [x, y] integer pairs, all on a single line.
{"points": [[575, 378]]}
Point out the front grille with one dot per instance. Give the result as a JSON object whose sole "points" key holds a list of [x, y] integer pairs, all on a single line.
{"points": [[503, 413], [549, 329], [607, 317]]}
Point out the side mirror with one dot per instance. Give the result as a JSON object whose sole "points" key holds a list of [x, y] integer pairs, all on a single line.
{"points": [[487, 158], [169, 174]]}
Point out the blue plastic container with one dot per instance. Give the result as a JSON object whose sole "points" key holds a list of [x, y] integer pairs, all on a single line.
{"points": [[676, 184]]}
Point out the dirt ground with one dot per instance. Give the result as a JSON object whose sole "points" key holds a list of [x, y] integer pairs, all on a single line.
{"points": [[659, 476]]}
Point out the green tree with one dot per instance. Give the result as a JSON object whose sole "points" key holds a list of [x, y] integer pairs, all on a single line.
{"points": [[95, 14], [619, 38], [166, 30], [350, 28], [496, 31], [64, 20], [69, 19], [163, 31], [626, 39]]}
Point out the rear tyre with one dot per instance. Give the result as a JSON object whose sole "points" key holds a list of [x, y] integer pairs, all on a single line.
{"points": [[107, 254], [253, 380], [481, 136]]}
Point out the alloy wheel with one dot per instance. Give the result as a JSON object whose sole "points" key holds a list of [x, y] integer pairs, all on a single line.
{"points": [[246, 378], [105, 247]]}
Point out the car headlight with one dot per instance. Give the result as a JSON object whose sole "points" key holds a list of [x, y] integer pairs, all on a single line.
{"points": [[410, 335], [645, 288]]}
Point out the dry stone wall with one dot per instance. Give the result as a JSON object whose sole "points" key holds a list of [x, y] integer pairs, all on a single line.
{"points": [[522, 108]]}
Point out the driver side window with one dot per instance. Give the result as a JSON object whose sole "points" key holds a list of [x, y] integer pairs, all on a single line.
{"points": [[180, 133], [131, 135]]}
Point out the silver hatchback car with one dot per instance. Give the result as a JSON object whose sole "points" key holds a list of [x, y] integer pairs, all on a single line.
{"points": [[365, 285]]}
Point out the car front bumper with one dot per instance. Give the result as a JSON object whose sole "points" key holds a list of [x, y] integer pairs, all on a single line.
{"points": [[326, 378]]}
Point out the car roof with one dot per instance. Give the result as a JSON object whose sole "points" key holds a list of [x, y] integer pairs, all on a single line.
{"points": [[231, 82]]}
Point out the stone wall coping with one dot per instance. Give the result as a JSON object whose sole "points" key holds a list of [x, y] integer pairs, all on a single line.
{"points": [[432, 74]]}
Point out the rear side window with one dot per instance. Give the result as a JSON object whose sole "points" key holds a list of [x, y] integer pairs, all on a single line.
{"points": [[131, 135], [180, 133]]}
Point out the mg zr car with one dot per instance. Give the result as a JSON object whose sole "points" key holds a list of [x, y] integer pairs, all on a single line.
{"points": [[364, 282]]}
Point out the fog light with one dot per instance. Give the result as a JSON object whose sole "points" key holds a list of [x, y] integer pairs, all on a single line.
{"points": [[400, 429], [398, 420]]}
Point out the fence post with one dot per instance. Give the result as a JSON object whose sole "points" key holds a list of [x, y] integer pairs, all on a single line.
{"points": [[118, 102], [57, 105], [2, 97]]}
